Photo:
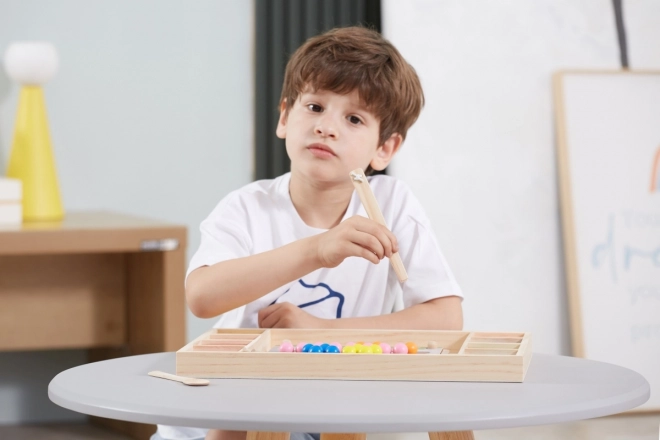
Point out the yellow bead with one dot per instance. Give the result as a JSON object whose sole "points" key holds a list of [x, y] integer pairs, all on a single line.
{"points": [[348, 349], [365, 350], [376, 349]]}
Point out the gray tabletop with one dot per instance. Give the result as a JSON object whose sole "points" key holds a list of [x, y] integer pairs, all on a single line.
{"points": [[556, 389]]}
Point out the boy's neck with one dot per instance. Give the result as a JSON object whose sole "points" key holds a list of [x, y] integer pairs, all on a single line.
{"points": [[318, 205]]}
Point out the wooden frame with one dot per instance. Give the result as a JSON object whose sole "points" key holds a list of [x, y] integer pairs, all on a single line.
{"points": [[575, 300], [566, 200], [246, 353]]}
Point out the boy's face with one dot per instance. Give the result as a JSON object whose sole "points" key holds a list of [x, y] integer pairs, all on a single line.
{"points": [[328, 135]]}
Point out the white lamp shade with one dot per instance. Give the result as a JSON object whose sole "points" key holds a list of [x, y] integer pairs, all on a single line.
{"points": [[31, 62]]}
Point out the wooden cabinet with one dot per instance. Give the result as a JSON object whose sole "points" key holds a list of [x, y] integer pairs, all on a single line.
{"points": [[109, 283]]}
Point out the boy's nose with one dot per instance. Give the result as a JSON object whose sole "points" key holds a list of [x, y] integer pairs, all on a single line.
{"points": [[325, 128]]}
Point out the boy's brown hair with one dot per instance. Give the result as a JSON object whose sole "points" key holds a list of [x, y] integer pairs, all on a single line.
{"points": [[356, 58]]}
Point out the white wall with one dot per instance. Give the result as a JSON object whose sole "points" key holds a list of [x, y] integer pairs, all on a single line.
{"points": [[150, 114], [482, 156]]}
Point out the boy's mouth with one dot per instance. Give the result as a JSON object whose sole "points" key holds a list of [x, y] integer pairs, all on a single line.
{"points": [[321, 150]]}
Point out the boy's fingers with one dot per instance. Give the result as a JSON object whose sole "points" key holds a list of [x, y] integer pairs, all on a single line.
{"points": [[369, 242], [269, 321], [266, 313], [394, 242], [361, 251], [387, 239], [385, 236]]}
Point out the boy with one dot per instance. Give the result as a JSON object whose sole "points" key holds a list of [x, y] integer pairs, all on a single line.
{"points": [[299, 250]]}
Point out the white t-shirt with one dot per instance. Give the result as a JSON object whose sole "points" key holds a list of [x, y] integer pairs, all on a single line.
{"points": [[260, 217]]}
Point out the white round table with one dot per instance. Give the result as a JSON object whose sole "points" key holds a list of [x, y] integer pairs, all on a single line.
{"points": [[556, 389]]}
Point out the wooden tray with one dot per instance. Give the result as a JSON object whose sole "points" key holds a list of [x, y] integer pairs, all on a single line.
{"points": [[245, 353]]}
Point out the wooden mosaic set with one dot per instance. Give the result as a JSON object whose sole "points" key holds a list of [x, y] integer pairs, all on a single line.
{"points": [[252, 353]]}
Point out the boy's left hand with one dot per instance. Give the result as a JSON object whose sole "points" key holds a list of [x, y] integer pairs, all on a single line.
{"points": [[287, 315]]}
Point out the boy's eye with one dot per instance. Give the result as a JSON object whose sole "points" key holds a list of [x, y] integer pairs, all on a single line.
{"points": [[354, 120], [314, 107]]}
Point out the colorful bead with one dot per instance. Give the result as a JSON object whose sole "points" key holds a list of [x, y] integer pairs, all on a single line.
{"points": [[286, 347], [360, 347], [385, 347], [400, 348], [412, 347]]}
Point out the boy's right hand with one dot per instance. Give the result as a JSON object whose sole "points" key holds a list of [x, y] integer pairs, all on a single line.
{"points": [[356, 237]]}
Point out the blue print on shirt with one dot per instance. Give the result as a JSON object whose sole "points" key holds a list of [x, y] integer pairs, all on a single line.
{"points": [[312, 289]]}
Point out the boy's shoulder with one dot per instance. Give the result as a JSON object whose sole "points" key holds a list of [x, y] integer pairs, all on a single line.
{"points": [[382, 183], [395, 197]]}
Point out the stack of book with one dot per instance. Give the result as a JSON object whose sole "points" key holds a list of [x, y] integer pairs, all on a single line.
{"points": [[11, 209]]}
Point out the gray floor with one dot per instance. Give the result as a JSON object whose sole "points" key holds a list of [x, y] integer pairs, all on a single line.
{"points": [[622, 427]]}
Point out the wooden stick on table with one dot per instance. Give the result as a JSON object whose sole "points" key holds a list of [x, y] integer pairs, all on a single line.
{"points": [[368, 199], [184, 380]]}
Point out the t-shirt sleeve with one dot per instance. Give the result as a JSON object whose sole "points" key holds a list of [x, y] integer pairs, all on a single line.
{"points": [[429, 275], [224, 235]]}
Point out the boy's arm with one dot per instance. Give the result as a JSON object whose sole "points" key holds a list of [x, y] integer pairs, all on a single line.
{"points": [[444, 313], [213, 290]]}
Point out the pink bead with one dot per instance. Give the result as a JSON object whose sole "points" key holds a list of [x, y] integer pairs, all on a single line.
{"points": [[300, 346], [386, 348], [286, 347], [367, 344], [337, 344], [400, 348], [350, 343]]}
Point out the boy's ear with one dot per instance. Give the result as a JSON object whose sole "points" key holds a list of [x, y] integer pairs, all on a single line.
{"points": [[280, 131], [386, 152]]}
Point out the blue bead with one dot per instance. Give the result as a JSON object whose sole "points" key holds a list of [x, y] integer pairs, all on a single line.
{"points": [[307, 348], [315, 349], [324, 347], [332, 349]]}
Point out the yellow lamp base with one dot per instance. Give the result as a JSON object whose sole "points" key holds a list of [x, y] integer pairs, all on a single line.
{"points": [[32, 161]]}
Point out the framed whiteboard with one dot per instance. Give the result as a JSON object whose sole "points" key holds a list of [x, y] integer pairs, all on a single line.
{"points": [[608, 136]]}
